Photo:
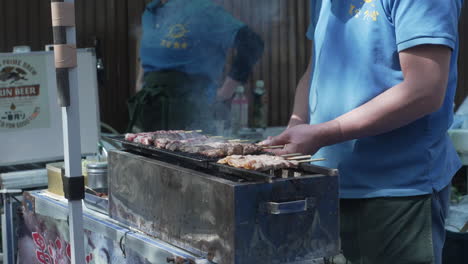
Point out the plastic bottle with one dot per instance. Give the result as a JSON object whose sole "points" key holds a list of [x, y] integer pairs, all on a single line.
{"points": [[239, 110], [244, 109], [260, 106]]}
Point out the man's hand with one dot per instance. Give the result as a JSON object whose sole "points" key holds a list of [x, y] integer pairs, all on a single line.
{"points": [[305, 139]]}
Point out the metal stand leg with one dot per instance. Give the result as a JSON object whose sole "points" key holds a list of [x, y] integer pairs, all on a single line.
{"points": [[8, 232]]}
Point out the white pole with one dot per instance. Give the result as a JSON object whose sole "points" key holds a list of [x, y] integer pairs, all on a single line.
{"points": [[72, 152], [67, 84]]}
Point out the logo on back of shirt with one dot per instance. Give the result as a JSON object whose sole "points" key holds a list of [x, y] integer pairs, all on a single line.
{"points": [[178, 31], [176, 37], [363, 9]]}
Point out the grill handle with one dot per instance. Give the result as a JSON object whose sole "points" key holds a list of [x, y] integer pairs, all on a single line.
{"points": [[276, 208]]}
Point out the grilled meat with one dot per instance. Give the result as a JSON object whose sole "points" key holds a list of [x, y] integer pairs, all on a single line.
{"points": [[258, 162], [143, 139], [130, 136], [248, 149], [227, 149], [194, 143], [161, 138], [214, 153]]}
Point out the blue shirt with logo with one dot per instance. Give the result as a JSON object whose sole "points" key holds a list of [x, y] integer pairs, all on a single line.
{"points": [[355, 46], [190, 36]]}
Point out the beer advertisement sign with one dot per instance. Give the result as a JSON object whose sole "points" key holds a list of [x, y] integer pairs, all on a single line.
{"points": [[24, 102]]}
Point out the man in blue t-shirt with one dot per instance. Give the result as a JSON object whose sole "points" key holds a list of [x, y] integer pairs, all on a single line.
{"points": [[376, 102], [183, 49]]}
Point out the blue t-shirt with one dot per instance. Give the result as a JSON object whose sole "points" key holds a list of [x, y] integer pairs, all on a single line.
{"points": [[355, 46], [190, 36]]}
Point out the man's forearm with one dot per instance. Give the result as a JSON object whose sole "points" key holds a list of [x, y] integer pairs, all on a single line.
{"points": [[300, 113], [392, 109], [425, 69], [422, 92]]}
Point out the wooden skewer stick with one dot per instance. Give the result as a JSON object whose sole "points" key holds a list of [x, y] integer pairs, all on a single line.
{"points": [[273, 147], [239, 140], [310, 160], [291, 155], [300, 157], [93, 191]]}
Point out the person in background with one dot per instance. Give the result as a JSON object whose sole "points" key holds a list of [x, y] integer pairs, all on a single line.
{"points": [[376, 102], [183, 50]]}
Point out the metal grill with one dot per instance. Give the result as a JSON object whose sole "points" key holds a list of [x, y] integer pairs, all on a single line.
{"points": [[210, 165]]}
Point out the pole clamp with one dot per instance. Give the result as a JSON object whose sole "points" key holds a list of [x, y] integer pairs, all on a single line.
{"points": [[65, 56], [73, 187], [63, 14]]}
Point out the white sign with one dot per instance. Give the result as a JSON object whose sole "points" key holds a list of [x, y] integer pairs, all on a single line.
{"points": [[24, 100]]}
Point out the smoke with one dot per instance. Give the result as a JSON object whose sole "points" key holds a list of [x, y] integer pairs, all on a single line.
{"points": [[261, 16], [266, 11]]}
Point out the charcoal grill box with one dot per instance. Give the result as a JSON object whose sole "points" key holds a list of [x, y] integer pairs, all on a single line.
{"points": [[288, 220]]}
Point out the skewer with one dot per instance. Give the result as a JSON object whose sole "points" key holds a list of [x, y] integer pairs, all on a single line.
{"points": [[300, 157], [239, 140], [273, 147], [291, 155], [310, 160], [93, 191]]}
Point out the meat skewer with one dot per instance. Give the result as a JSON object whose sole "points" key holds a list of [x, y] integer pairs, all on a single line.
{"points": [[273, 147], [262, 162], [311, 160], [161, 138], [258, 162], [299, 157], [291, 155], [223, 149]]}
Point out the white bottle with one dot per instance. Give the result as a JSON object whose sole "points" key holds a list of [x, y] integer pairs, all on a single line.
{"points": [[239, 110], [260, 105], [244, 108]]}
